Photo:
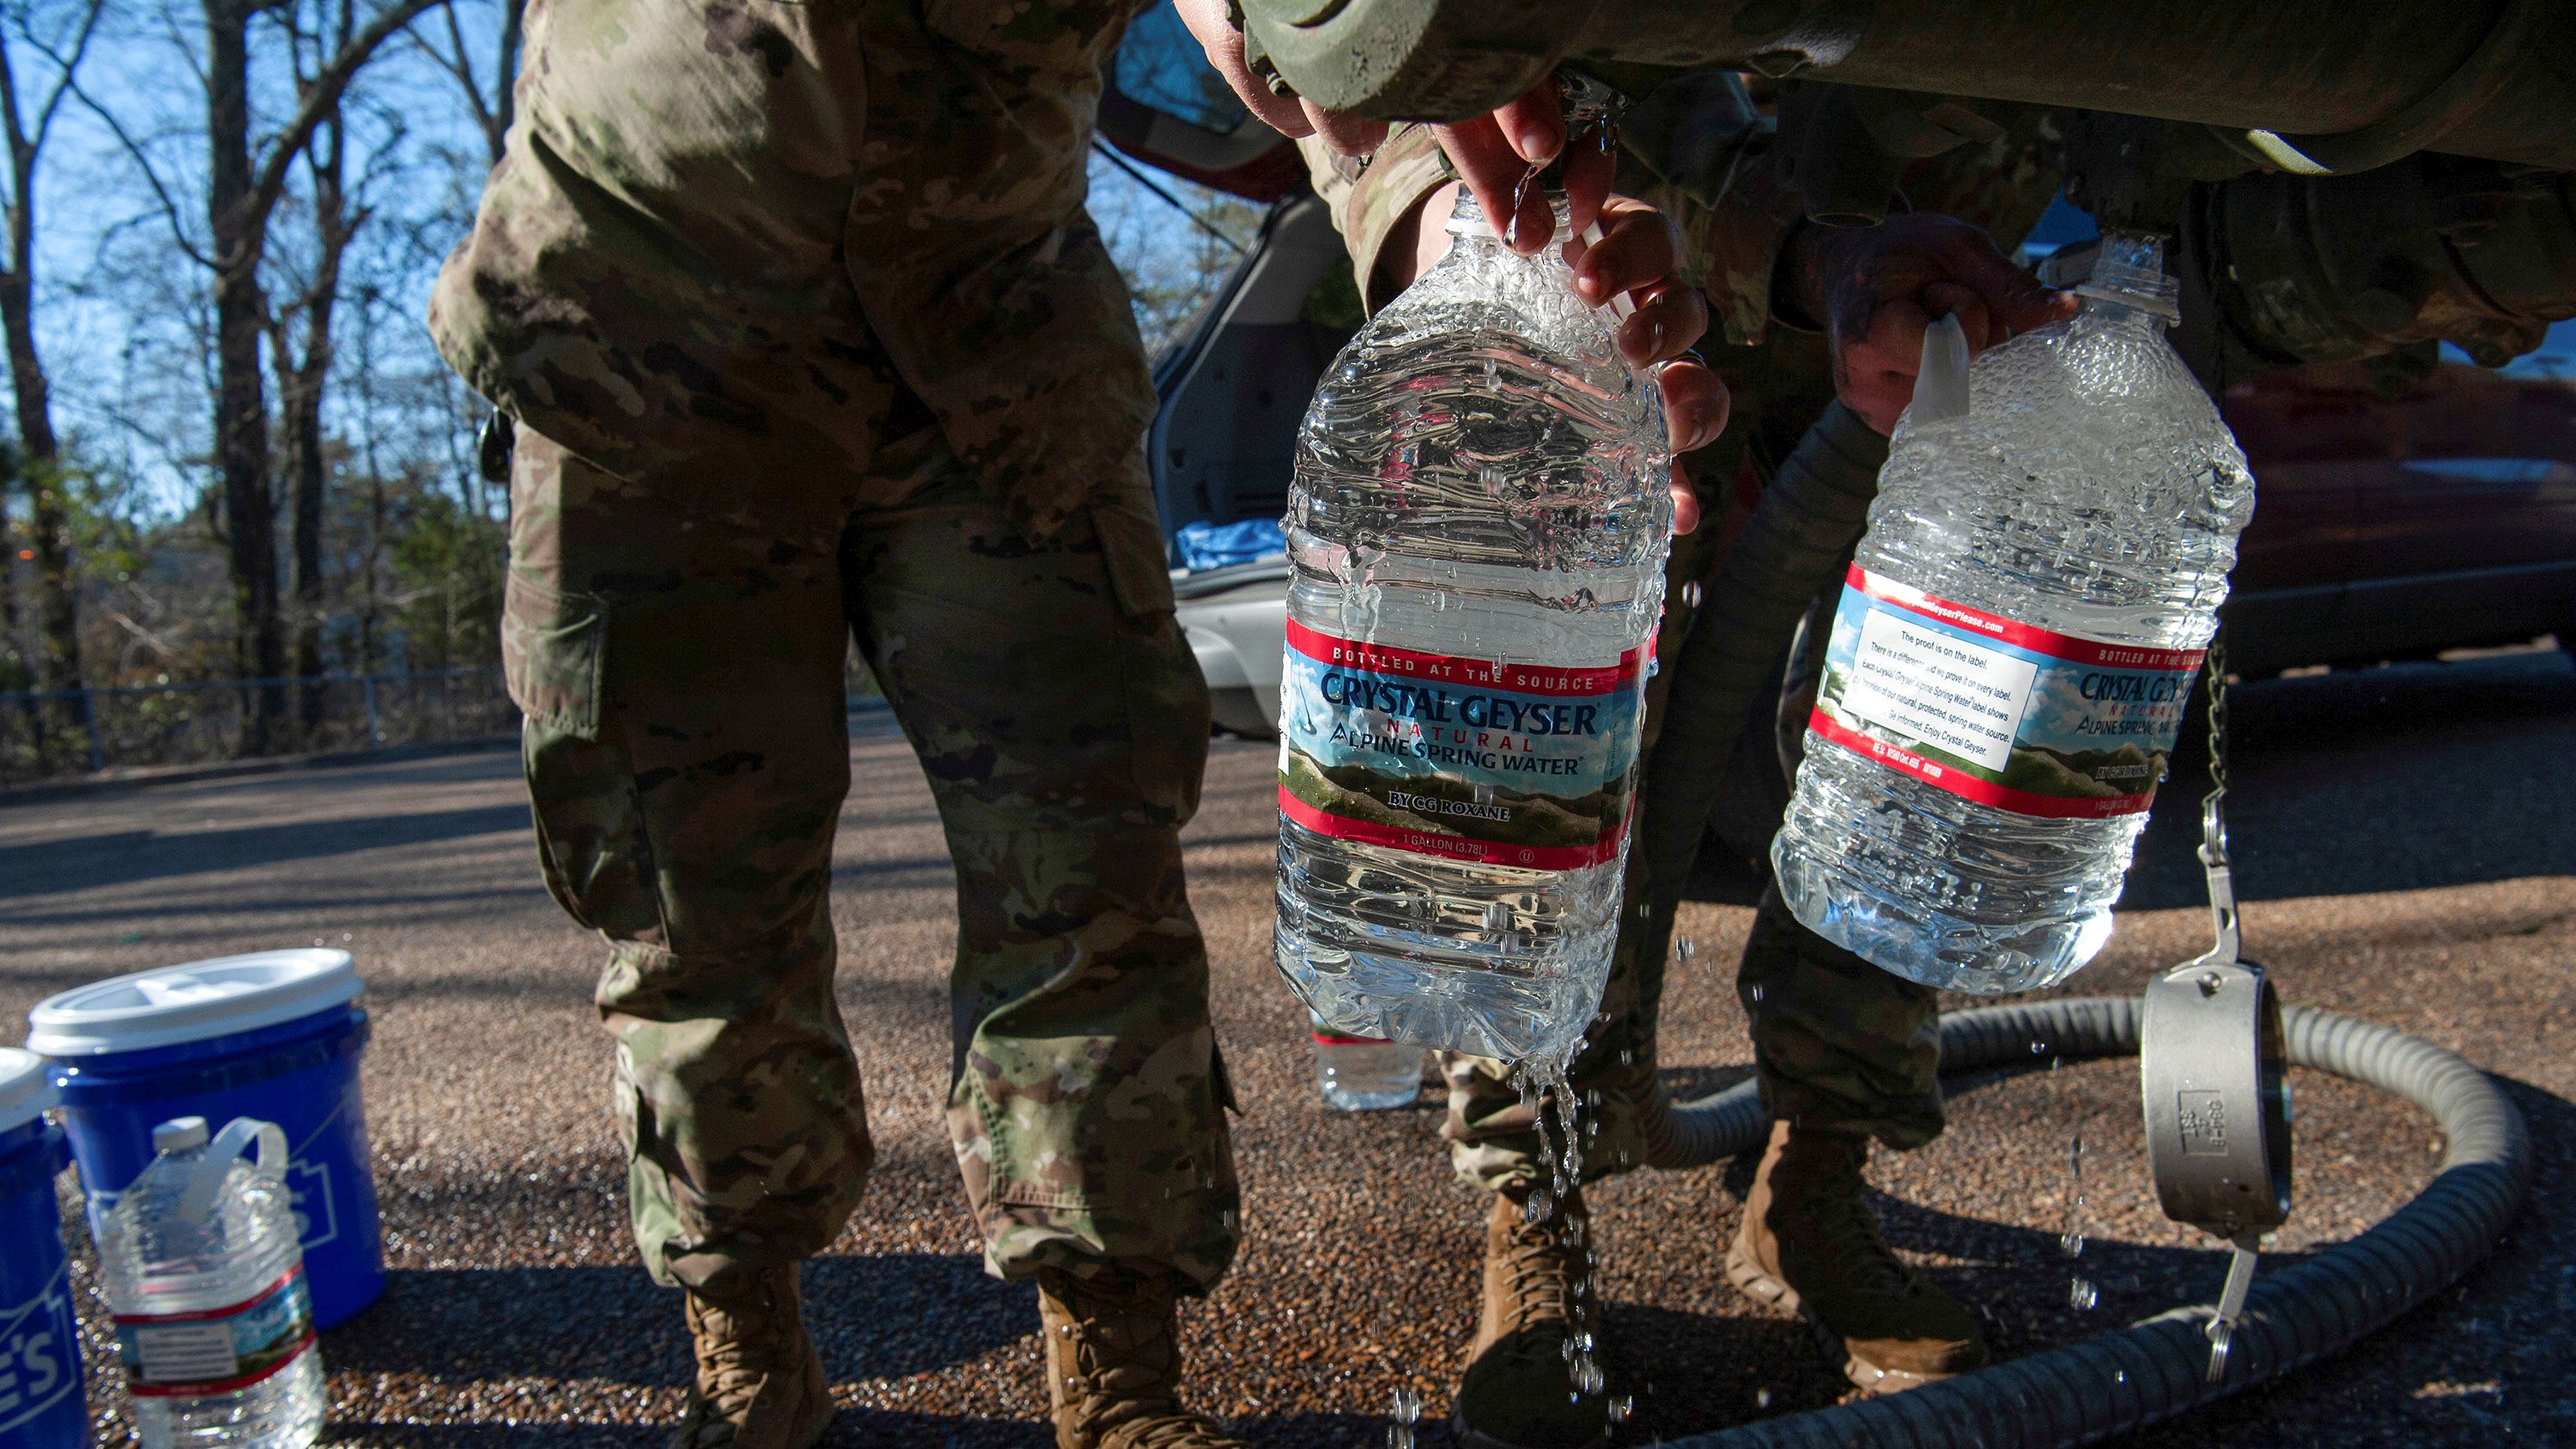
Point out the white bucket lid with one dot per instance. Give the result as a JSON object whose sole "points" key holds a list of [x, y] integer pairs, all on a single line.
{"points": [[24, 1092], [195, 1002]]}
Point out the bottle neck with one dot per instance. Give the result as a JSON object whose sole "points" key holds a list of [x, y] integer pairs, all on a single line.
{"points": [[1467, 219], [2128, 279]]}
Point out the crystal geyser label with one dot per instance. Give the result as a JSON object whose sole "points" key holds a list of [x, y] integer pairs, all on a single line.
{"points": [[1510, 764], [2019, 718]]}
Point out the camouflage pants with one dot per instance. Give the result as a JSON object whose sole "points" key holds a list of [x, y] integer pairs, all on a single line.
{"points": [[687, 753], [1837, 1043]]}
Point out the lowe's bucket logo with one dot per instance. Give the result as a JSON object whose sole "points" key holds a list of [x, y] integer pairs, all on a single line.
{"points": [[308, 1186], [317, 1220], [36, 1356]]}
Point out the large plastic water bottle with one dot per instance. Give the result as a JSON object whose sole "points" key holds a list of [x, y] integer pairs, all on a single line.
{"points": [[1477, 531], [206, 1281], [1364, 1073], [2015, 648]]}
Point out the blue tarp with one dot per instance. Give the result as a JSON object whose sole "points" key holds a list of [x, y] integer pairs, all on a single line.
{"points": [[1206, 546]]}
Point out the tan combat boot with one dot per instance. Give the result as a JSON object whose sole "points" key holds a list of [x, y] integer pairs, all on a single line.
{"points": [[1517, 1393], [1810, 1243], [1113, 1358], [760, 1384]]}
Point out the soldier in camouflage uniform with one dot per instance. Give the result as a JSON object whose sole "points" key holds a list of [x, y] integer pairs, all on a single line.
{"points": [[1844, 1052], [808, 339]]}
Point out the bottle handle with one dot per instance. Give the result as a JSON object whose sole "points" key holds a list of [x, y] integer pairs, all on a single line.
{"points": [[1621, 305], [198, 1198], [1941, 386]]}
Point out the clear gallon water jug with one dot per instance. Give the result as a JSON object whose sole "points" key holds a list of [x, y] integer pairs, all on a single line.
{"points": [[2015, 647], [1477, 529]]}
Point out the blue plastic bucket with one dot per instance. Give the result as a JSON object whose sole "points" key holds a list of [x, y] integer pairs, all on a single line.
{"points": [[41, 1404], [276, 1036]]}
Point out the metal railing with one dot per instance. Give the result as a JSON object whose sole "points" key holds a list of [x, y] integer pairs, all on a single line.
{"points": [[52, 733]]}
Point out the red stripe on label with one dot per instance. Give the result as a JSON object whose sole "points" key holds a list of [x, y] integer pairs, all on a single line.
{"points": [[1452, 847], [1325, 1038], [1449, 669], [200, 1315], [223, 1386], [1969, 787], [2039, 641]]}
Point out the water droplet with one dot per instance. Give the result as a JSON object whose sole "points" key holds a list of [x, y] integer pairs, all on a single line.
{"points": [[1539, 1205], [1757, 992], [2120, 1376], [2081, 1295], [2220, 1331], [2070, 1245], [1408, 1404], [1621, 1406], [1691, 593], [1761, 1398], [2039, 1048], [1685, 948]]}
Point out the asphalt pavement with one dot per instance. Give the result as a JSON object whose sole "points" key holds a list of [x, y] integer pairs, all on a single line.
{"points": [[2403, 844]]}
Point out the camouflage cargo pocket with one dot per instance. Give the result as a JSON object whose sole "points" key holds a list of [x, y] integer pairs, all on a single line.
{"points": [[550, 654], [1167, 698]]}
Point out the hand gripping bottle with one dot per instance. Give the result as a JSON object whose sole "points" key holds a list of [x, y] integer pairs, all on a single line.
{"points": [[1477, 530], [2015, 646], [206, 1281]]}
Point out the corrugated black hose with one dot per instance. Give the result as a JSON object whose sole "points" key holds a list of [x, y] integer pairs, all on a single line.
{"points": [[2155, 1369]]}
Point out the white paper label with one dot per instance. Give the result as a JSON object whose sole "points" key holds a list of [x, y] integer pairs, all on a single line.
{"points": [[1939, 688]]}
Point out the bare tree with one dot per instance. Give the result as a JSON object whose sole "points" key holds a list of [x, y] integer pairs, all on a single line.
{"points": [[40, 462], [303, 374], [245, 184], [492, 108]]}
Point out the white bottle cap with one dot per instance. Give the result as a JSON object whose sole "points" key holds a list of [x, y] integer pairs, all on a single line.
{"points": [[179, 1134]]}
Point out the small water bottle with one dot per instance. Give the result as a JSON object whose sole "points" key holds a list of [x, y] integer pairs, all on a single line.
{"points": [[205, 1278], [1364, 1073]]}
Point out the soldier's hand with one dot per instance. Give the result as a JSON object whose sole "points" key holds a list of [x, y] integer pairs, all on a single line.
{"points": [[1493, 153], [1874, 289]]}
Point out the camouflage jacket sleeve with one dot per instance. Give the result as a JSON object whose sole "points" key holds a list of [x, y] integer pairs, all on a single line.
{"points": [[1697, 150], [1370, 195], [2000, 183]]}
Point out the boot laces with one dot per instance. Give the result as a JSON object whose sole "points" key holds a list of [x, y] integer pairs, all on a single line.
{"points": [[1850, 1230], [1540, 1277], [1138, 1379], [738, 1348]]}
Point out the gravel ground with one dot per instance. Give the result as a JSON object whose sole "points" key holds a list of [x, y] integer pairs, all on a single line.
{"points": [[2403, 841]]}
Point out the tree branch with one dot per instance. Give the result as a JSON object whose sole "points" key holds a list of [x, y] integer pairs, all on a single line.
{"points": [[322, 99], [151, 177], [67, 64]]}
